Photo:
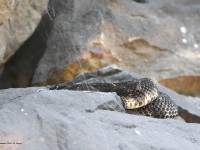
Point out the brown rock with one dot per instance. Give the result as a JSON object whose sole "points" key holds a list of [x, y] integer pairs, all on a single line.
{"points": [[187, 85], [89, 62], [6, 7]]}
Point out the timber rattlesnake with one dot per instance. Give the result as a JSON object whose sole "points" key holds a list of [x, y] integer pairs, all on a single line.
{"points": [[142, 95]]}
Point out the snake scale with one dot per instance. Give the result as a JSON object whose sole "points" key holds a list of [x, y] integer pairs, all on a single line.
{"points": [[140, 95]]}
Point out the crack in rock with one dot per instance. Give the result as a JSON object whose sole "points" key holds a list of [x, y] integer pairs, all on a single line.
{"points": [[110, 105]]}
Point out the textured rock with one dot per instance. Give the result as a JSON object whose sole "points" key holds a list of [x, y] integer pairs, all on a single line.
{"points": [[6, 8], [156, 38], [19, 69], [18, 20], [187, 85], [37, 118], [188, 106]]}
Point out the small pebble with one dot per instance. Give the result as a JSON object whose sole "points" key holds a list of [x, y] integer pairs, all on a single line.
{"points": [[183, 29], [184, 40], [196, 46]]}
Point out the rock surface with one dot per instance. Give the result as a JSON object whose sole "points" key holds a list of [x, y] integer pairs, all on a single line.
{"points": [[187, 85], [6, 8], [189, 107], [155, 38], [18, 20], [39, 119]]}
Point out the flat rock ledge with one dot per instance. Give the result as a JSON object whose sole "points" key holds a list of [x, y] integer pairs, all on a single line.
{"points": [[39, 119]]}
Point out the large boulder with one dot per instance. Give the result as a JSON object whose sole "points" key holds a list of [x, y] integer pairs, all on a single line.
{"points": [[18, 20], [157, 39], [40, 119]]}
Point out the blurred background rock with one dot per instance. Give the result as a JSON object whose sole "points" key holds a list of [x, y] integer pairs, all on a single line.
{"points": [[51, 43]]}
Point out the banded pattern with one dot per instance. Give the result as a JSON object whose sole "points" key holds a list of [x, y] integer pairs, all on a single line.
{"points": [[161, 107], [140, 95]]}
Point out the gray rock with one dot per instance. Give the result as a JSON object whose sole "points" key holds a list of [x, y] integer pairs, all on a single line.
{"points": [[154, 38], [40, 119], [18, 20]]}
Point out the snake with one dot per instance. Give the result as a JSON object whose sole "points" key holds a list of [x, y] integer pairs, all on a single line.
{"points": [[140, 95]]}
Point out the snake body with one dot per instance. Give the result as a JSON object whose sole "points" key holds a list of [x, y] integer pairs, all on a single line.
{"points": [[140, 95]]}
